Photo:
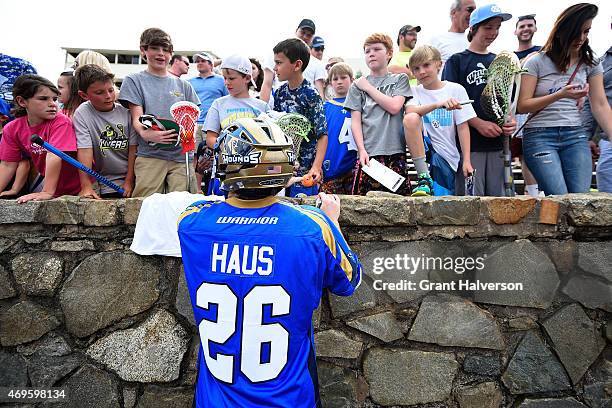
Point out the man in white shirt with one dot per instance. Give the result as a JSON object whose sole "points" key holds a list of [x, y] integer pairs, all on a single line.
{"points": [[454, 40]]}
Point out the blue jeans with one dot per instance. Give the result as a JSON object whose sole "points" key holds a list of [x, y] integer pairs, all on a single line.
{"points": [[604, 167], [559, 158]]}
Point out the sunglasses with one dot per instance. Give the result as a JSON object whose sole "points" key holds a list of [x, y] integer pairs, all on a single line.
{"points": [[319, 49]]}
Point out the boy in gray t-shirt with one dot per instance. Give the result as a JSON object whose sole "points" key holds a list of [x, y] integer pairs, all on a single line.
{"points": [[376, 103], [104, 132], [153, 92]]}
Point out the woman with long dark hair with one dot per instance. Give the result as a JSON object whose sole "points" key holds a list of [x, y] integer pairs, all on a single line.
{"points": [[558, 78]]}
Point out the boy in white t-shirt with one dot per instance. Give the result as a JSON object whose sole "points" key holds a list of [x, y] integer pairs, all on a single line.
{"points": [[436, 111]]}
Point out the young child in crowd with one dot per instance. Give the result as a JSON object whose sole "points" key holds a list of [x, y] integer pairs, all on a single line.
{"points": [[153, 92], [436, 111], [237, 73], [468, 68], [341, 154], [36, 112], [69, 96], [105, 135], [376, 103], [298, 95]]}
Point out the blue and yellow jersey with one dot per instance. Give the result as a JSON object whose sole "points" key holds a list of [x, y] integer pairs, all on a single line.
{"points": [[255, 272]]}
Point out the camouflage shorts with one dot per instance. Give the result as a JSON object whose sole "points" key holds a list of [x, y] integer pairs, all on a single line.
{"points": [[397, 163], [339, 185]]}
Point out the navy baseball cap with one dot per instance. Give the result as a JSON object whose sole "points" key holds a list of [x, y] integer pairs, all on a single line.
{"points": [[486, 12], [318, 42]]}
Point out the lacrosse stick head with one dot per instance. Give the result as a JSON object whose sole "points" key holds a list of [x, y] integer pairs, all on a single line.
{"points": [[296, 127], [253, 153], [497, 98], [186, 115]]}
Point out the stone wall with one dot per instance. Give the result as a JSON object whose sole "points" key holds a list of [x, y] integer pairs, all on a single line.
{"points": [[78, 310]]}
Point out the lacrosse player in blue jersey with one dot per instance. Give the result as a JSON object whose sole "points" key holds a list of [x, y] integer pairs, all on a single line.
{"points": [[256, 268]]}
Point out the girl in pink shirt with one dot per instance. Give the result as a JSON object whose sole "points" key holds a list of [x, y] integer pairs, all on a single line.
{"points": [[36, 112]]}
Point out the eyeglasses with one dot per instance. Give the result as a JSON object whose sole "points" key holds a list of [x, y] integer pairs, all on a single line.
{"points": [[319, 49], [186, 62]]}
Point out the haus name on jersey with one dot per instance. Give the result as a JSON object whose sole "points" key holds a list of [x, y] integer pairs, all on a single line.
{"points": [[242, 259], [247, 220]]}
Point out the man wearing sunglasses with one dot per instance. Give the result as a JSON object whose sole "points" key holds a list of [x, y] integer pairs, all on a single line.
{"points": [[179, 65], [406, 41]]}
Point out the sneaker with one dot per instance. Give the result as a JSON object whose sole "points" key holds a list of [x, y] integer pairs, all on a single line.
{"points": [[424, 186]]}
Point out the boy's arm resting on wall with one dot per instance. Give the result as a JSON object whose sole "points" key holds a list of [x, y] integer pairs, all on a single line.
{"points": [[85, 156], [7, 171], [128, 185]]}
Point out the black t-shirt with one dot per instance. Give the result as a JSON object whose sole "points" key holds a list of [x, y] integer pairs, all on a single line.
{"points": [[469, 69], [524, 53]]}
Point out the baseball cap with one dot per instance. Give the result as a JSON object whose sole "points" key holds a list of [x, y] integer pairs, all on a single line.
{"points": [[307, 23], [406, 29], [486, 12], [318, 42], [204, 55], [237, 63]]}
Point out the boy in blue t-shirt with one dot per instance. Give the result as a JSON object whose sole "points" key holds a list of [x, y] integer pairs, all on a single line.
{"points": [[341, 154], [298, 95]]}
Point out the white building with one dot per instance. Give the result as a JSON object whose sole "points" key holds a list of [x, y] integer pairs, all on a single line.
{"points": [[124, 62]]}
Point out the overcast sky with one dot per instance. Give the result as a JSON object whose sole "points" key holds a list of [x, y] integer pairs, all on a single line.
{"points": [[36, 30]]}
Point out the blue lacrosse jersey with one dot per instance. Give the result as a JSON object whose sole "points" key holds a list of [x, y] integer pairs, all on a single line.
{"points": [[255, 272], [341, 153]]}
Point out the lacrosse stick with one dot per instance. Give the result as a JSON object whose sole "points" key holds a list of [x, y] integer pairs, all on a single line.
{"points": [[499, 102], [38, 140], [186, 114], [297, 127]]}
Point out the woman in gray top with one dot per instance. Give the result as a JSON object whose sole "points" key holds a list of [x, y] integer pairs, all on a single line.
{"points": [[558, 79]]}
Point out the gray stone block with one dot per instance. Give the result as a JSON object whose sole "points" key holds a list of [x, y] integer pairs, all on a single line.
{"points": [[595, 258], [575, 339], [383, 326], [101, 212], [529, 266], [363, 298], [597, 391], [334, 343], [24, 322], [46, 370], [483, 395], [337, 386], [7, 290], [12, 213], [552, 403], [468, 325], [72, 246], [183, 301], [158, 397], [450, 211], [534, 369], [13, 370], [377, 211], [89, 387], [403, 377], [590, 292], [482, 365], [109, 286], [129, 396], [38, 274], [152, 352], [589, 210]]}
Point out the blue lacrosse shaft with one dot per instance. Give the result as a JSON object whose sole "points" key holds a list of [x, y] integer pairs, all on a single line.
{"points": [[38, 140]]}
